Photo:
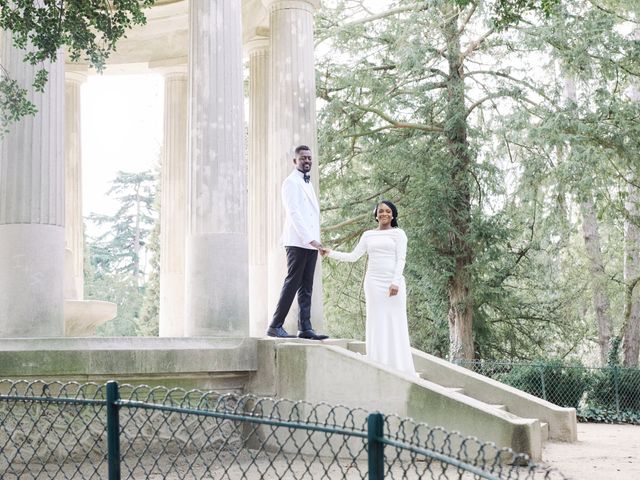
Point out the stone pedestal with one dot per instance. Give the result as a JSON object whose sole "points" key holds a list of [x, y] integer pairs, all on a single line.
{"points": [[32, 206], [292, 121], [258, 52], [173, 205], [217, 259]]}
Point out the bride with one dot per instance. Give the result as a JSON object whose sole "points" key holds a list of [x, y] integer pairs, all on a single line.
{"points": [[387, 334]]}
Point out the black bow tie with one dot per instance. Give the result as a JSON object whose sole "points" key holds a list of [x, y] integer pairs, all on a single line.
{"points": [[306, 177]]}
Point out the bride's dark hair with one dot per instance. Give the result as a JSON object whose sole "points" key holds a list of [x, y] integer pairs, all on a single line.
{"points": [[394, 211]]}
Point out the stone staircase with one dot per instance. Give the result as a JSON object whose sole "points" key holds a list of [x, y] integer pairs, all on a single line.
{"points": [[544, 426], [446, 395], [426, 364]]}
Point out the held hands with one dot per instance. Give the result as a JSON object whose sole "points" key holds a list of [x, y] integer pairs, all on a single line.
{"points": [[323, 251], [393, 290]]}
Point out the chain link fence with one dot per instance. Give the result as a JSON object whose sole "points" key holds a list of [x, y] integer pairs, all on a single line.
{"points": [[97, 431], [607, 394]]}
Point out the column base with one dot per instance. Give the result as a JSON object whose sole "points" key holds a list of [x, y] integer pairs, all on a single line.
{"points": [[31, 281], [217, 287], [171, 305]]}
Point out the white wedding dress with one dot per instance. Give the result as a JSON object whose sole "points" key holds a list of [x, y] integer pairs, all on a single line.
{"points": [[387, 332]]}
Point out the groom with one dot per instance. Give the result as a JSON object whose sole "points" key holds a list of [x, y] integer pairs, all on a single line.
{"points": [[301, 239]]}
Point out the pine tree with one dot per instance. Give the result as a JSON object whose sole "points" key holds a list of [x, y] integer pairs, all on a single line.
{"points": [[117, 256]]}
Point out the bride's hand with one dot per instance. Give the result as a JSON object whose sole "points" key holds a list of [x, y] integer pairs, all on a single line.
{"points": [[325, 251], [393, 290]]}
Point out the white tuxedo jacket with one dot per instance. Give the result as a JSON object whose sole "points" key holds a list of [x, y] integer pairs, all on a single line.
{"points": [[302, 222]]}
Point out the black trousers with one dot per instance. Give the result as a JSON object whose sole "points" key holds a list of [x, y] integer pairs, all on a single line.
{"points": [[301, 264]]}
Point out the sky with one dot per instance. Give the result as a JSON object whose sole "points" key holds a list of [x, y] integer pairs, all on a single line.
{"points": [[121, 131]]}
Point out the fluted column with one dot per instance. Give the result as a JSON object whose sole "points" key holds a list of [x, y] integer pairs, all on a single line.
{"points": [[74, 230], [292, 121], [258, 51], [173, 206], [32, 206], [217, 258]]}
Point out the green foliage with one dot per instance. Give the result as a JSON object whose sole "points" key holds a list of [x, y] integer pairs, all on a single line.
{"points": [[120, 248], [608, 415], [608, 394], [615, 388], [13, 102], [88, 29], [553, 381], [128, 297], [510, 12]]}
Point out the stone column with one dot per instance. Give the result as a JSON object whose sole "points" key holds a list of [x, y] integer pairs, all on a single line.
{"points": [[32, 206], [258, 52], [74, 226], [217, 301], [292, 121], [173, 206]]}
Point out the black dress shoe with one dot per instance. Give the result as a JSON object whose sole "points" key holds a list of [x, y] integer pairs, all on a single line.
{"points": [[311, 335], [278, 333]]}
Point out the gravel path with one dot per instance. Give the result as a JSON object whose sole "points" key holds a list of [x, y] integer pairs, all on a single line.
{"points": [[607, 452]]}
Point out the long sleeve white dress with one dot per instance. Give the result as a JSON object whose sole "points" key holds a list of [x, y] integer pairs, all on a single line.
{"points": [[387, 332]]}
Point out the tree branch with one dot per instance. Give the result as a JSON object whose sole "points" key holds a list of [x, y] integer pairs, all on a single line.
{"points": [[397, 124], [508, 77], [467, 18], [476, 43], [416, 7]]}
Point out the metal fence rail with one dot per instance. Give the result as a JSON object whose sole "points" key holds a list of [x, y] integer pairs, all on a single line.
{"points": [[94, 431], [606, 394]]}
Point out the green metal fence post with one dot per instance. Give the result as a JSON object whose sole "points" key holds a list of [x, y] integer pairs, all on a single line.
{"points": [[544, 386], [113, 431], [616, 386], [375, 433]]}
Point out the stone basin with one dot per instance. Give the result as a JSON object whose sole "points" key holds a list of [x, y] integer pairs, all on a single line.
{"points": [[82, 317]]}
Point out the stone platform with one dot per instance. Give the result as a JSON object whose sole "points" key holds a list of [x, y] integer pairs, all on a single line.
{"points": [[219, 363], [334, 371]]}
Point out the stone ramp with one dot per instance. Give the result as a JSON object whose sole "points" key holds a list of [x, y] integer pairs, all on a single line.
{"points": [[446, 395]]}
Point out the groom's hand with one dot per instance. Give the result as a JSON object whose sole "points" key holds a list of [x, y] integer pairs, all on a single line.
{"points": [[316, 244], [393, 290]]}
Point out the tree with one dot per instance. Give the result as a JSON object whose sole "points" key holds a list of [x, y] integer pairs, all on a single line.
{"points": [[595, 131], [408, 88], [512, 197], [117, 269], [89, 30], [120, 249]]}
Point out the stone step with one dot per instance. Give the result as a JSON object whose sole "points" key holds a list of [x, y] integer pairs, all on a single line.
{"points": [[544, 427], [456, 389]]}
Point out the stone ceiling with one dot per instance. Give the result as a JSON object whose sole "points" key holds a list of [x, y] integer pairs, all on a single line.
{"points": [[164, 40]]}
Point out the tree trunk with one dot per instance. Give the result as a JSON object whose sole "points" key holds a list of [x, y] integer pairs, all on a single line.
{"points": [[459, 289], [591, 236], [598, 279], [631, 332], [136, 240]]}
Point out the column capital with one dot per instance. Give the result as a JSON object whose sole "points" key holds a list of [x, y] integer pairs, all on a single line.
{"points": [[170, 66], [258, 42], [309, 5], [75, 76]]}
